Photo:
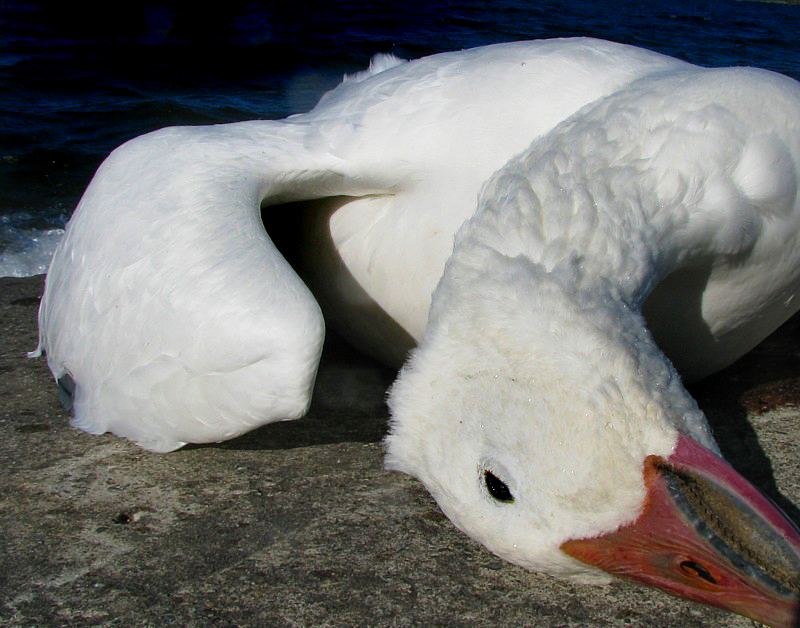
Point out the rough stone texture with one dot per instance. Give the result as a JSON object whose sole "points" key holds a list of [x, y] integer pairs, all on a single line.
{"points": [[297, 523]]}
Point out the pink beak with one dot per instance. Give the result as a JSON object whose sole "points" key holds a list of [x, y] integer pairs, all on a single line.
{"points": [[708, 535]]}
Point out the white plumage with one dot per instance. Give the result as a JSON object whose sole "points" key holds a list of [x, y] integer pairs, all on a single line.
{"points": [[624, 182]]}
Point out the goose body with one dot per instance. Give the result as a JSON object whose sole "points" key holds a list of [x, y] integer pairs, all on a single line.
{"points": [[555, 225]]}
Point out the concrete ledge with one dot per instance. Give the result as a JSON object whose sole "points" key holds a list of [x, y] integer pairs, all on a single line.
{"points": [[297, 523]]}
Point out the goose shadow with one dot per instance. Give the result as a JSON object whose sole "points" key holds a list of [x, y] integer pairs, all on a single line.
{"points": [[765, 378], [349, 398]]}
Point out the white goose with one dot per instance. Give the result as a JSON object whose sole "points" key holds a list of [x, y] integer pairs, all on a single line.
{"points": [[537, 409]]}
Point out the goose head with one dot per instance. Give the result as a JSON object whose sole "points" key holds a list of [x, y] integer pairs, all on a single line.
{"points": [[549, 427]]}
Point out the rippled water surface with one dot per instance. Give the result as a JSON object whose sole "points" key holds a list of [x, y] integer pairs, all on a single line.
{"points": [[74, 87]]}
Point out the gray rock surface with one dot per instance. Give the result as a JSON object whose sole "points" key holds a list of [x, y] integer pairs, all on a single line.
{"points": [[298, 523]]}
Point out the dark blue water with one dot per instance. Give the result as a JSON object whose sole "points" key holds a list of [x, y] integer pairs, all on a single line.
{"points": [[74, 84]]}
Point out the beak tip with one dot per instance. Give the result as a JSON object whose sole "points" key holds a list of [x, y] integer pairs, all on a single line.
{"points": [[706, 534]]}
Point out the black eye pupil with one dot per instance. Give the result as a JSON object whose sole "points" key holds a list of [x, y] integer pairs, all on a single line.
{"points": [[497, 488]]}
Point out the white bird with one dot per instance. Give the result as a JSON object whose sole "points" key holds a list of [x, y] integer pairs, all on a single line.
{"points": [[636, 216]]}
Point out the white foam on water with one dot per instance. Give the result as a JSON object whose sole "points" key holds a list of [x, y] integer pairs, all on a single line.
{"points": [[25, 251]]}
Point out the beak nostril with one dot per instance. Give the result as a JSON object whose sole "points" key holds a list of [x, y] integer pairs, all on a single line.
{"points": [[697, 570]]}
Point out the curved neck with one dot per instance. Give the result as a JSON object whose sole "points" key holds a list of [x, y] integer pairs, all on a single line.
{"points": [[651, 179], [589, 228]]}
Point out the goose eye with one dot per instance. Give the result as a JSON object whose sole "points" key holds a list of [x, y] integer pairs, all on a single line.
{"points": [[497, 488]]}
